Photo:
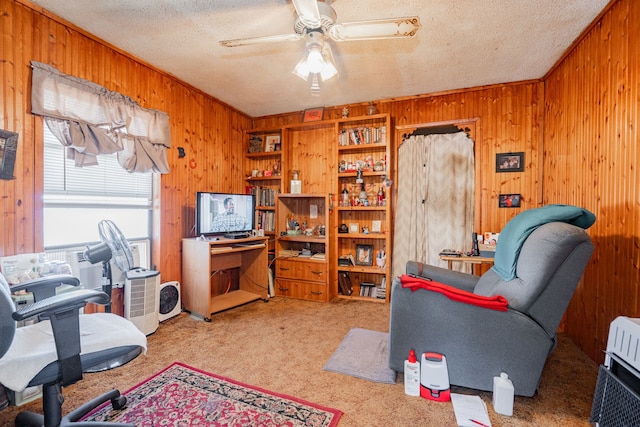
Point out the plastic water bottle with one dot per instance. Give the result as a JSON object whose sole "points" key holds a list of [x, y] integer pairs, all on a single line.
{"points": [[412, 375], [503, 394]]}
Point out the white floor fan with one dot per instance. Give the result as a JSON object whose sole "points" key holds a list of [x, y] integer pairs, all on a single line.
{"points": [[142, 286]]}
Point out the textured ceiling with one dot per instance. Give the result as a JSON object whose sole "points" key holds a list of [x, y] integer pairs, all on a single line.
{"points": [[462, 43]]}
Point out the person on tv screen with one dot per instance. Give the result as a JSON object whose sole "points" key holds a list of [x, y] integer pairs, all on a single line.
{"points": [[229, 220]]}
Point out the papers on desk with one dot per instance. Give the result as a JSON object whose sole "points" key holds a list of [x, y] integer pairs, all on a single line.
{"points": [[470, 411], [449, 252]]}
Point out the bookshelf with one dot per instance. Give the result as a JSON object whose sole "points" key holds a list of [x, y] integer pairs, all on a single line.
{"points": [[364, 208], [264, 174], [302, 243], [331, 155]]}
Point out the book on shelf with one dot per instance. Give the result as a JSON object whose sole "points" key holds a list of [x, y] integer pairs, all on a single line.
{"points": [[288, 253], [362, 135], [264, 196], [367, 289], [344, 283], [319, 255], [346, 260], [265, 220]]}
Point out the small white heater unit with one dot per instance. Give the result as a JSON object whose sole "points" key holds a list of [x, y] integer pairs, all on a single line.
{"points": [[142, 299], [170, 305], [616, 401]]}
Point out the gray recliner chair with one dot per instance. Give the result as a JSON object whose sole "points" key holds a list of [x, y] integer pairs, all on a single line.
{"points": [[55, 351], [480, 343]]}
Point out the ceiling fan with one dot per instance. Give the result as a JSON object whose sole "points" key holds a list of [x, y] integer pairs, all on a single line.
{"points": [[316, 22]]}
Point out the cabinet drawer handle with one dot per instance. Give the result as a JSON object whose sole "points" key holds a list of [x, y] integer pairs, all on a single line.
{"points": [[283, 289], [316, 272], [316, 293], [285, 268]]}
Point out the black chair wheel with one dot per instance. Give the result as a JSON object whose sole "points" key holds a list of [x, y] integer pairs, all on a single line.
{"points": [[119, 402], [29, 419]]}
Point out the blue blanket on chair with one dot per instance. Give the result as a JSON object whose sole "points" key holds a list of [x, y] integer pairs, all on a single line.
{"points": [[518, 229]]}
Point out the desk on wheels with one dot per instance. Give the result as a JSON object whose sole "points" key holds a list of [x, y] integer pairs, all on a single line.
{"points": [[202, 258]]}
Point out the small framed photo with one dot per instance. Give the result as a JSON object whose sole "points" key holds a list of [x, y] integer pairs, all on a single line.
{"points": [[509, 201], [8, 149], [271, 142], [376, 226], [510, 162], [354, 227], [364, 254], [313, 114]]}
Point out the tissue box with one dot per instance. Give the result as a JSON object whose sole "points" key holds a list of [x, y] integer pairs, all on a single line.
{"points": [[488, 251]]}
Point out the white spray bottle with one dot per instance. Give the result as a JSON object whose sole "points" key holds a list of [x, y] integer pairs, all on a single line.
{"points": [[412, 375]]}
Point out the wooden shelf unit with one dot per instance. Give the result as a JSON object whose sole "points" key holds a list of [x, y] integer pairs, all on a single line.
{"points": [[264, 187], [298, 276], [370, 218], [318, 151]]}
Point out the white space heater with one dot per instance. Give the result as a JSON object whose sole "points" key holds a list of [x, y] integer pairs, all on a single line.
{"points": [[142, 299], [170, 304], [616, 401]]}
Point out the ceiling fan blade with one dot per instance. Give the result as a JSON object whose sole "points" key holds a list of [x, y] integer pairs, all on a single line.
{"points": [[308, 13], [376, 29], [262, 40]]}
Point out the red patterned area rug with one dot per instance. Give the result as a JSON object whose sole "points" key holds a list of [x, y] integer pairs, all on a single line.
{"points": [[184, 396]]}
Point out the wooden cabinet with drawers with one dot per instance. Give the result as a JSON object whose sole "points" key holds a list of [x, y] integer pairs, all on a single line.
{"points": [[302, 243]]}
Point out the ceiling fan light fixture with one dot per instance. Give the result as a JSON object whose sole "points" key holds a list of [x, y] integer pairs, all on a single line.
{"points": [[318, 64], [302, 69], [315, 61], [329, 68]]}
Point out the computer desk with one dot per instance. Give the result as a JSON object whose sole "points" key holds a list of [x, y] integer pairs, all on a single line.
{"points": [[202, 258]]}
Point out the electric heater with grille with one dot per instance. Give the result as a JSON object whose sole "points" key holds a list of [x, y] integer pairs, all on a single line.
{"points": [[616, 401], [142, 299]]}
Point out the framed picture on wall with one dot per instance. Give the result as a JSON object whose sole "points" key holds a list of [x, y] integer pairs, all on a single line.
{"points": [[509, 201], [313, 114], [272, 143], [364, 255], [8, 148], [510, 162]]}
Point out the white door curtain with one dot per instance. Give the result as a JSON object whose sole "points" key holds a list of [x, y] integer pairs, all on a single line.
{"points": [[434, 210]]}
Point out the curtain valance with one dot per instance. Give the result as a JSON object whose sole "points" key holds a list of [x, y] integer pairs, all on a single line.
{"points": [[89, 120]]}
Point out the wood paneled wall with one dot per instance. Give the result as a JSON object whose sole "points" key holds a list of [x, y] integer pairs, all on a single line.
{"points": [[209, 131], [507, 118], [577, 128], [592, 159]]}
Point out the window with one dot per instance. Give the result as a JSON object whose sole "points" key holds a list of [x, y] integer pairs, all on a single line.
{"points": [[76, 199]]}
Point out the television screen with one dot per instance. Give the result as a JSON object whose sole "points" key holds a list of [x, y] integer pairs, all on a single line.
{"points": [[220, 213]]}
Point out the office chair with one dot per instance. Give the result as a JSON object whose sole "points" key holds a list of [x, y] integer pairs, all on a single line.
{"points": [[55, 351]]}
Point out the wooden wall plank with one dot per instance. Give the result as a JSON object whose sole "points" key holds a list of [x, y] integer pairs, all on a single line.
{"points": [[507, 120], [591, 159], [578, 129], [28, 33]]}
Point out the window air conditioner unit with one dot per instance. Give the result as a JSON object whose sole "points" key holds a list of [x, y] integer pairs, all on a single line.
{"points": [[90, 275]]}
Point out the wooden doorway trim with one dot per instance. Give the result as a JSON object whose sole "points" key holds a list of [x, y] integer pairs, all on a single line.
{"points": [[473, 129]]}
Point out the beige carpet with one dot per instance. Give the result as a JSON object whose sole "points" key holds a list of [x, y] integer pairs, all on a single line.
{"points": [[282, 346]]}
